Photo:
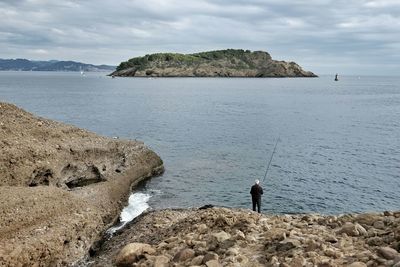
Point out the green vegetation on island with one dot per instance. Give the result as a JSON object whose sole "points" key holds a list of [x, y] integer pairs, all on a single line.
{"points": [[220, 63]]}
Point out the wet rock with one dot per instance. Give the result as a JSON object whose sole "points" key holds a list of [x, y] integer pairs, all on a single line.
{"points": [[132, 253]]}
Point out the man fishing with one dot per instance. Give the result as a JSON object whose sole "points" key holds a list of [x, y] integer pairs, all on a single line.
{"points": [[256, 192]]}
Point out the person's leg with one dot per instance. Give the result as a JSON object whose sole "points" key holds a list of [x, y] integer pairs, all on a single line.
{"points": [[254, 204], [259, 205]]}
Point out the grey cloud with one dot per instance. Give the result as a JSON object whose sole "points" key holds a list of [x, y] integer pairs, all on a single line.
{"points": [[308, 32]]}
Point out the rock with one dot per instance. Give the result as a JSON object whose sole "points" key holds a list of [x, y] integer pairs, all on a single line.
{"points": [[353, 229], [221, 236], [379, 225], [274, 261], [45, 157], [202, 228], [131, 253], [213, 263], [367, 218], [358, 264], [287, 244], [184, 255], [210, 256], [388, 253], [298, 261], [375, 241], [161, 261], [197, 261], [239, 235]]}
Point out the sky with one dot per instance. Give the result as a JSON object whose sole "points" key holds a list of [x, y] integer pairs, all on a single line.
{"points": [[357, 37]]}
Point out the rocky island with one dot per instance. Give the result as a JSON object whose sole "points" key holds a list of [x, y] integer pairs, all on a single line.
{"points": [[221, 63]]}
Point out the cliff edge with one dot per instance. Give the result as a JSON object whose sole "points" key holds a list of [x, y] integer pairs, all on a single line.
{"points": [[221, 63], [61, 187]]}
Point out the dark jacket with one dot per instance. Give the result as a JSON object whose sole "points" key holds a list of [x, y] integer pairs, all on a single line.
{"points": [[256, 191]]}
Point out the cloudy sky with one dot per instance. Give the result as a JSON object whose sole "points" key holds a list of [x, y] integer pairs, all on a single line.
{"points": [[324, 36]]}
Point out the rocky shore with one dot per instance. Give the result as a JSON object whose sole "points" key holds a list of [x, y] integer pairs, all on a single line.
{"points": [[61, 187], [235, 237]]}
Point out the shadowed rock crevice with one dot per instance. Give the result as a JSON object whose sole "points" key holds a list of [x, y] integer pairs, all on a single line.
{"points": [[41, 177], [74, 176]]}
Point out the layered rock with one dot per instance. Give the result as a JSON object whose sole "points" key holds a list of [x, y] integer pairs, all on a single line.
{"points": [[222, 63], [61, 187], [237, 237]]}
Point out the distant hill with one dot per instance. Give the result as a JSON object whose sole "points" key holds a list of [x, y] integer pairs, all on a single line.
{"points": [[221, 63], [51, 65]]}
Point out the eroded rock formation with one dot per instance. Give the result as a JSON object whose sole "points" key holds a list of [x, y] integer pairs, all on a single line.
{"points": [[60, 187]]}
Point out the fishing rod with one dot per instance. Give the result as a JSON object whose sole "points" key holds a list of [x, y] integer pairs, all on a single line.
{"points": [[270, 160]]}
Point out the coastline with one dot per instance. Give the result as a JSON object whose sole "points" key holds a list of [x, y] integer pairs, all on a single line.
{"points": [[61, 187]]}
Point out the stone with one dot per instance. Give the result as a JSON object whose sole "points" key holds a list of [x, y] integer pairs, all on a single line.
{"points": [[388, 253], [213, 263], [274, 261], [131, 253], [352, 229], [184, 255], [161, 261], [361, 230], [197, 261], [210, 256], [298, 261], [221, 236], [358, 264], [288, 244], [240, 235], [375, 241], [233, 251], [202, 228], [379, 225]]}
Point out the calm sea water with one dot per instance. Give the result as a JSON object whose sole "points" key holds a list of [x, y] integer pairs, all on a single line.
{"points": [[339, 148]]}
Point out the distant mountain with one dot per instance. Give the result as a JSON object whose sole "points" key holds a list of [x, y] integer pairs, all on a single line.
{"points": [[221, 63], [51, 65]]}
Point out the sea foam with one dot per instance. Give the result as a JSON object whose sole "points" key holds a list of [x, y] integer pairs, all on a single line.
{"points": [[137, 204]]}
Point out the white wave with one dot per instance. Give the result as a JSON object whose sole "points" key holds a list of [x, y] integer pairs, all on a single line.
{"points": [[137, 204]]}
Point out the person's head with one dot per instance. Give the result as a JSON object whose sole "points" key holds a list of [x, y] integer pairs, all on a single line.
{"points": [[257, 181]]}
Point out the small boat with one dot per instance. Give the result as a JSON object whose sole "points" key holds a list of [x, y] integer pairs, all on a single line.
{"points": [[336, 77]]}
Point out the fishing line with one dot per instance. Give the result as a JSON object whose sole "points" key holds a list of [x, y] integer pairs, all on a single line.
{"points": [[270, 160]]}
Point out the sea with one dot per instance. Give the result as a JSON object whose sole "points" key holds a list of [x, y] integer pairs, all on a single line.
{"points": [[337, 142]]}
